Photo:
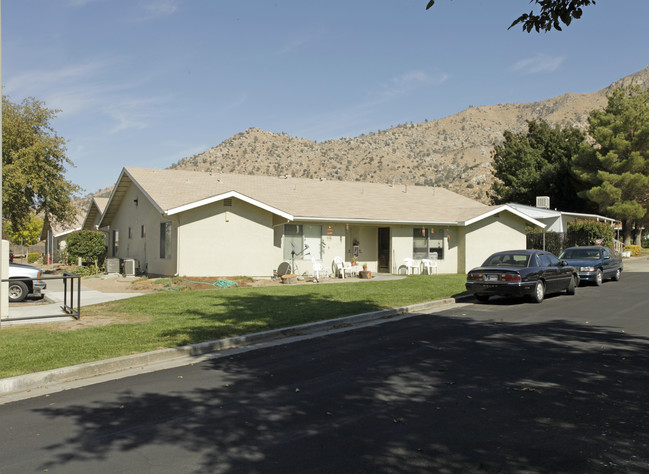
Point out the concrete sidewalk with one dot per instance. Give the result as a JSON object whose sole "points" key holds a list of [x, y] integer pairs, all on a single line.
{"points": [[51, 310]]}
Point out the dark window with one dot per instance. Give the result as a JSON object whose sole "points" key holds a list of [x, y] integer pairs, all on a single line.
{"points": [[427, 243], [165, 240], [115, 242]]}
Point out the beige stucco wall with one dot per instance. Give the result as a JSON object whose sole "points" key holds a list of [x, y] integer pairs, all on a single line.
{"points": [[215, 240], [493, 234], [146, 250]]}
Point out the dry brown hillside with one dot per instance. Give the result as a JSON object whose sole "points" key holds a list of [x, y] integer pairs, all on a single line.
{"points": [[454, 152]]}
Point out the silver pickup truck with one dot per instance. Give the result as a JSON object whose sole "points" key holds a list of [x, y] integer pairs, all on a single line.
{"points": [[24, 280]]}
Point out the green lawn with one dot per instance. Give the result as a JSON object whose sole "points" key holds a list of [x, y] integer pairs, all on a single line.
{"points": [[175, 318]]}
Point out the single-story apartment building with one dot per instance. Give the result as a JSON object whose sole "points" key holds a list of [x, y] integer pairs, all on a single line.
{"points": [[187, 223], [55, 236]]}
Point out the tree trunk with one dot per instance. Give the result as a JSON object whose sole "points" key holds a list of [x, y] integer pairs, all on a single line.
{"points": [[638, 234], [627, 229]]}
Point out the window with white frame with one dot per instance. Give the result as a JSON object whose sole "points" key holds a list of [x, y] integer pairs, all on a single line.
{"points": [[426, 242], [304, 240]]}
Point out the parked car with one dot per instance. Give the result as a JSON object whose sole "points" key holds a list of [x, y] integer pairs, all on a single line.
{"points": [[24, 280], [532, 273], [594, 264]]}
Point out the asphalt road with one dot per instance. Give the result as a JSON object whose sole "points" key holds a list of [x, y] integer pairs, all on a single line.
{"points": [[506, 386]]}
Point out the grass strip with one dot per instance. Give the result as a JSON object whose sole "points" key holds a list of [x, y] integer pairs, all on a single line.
{"points": [[170, 319]]}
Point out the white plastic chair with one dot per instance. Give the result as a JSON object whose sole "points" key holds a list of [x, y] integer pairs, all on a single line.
{"points": [[318, 269], [428, 265], [410, 265], [340, 266]]}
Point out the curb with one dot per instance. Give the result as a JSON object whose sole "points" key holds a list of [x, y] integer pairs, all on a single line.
{"points": [[22, 383]]}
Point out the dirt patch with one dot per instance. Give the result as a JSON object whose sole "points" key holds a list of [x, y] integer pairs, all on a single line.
{"points": [[120, 284], [93, 319]]}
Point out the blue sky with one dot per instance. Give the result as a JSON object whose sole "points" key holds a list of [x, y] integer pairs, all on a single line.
{"points": [[149, 82]]}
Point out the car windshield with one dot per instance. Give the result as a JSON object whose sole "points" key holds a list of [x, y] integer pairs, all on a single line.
{"points": [[580, 254], [507, 260]]}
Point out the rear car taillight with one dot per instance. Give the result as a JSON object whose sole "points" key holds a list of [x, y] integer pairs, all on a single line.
{"points": [[510, 277], [474, 276]]}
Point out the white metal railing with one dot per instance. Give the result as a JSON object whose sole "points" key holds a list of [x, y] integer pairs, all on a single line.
{"points": [[618, 246]]}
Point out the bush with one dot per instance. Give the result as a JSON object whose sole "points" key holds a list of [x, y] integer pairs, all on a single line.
{"points": [[33, 257], [592, 232], [88, 245], [634, 249], [88, 270]]}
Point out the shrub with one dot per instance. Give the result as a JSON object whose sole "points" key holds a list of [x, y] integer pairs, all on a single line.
{"points": [[84, 270], [33, 257], [634, 249], [592, 232], [88, 245]]}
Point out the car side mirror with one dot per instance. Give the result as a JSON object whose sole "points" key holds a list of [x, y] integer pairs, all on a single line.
{"points": [[606, 257], [563, 263]]}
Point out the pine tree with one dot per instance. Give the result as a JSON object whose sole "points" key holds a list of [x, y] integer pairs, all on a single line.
{"points": [[615, 167]]}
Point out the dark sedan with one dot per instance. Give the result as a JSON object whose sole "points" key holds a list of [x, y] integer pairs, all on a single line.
{"points": [[594, 264], [533, 273]]}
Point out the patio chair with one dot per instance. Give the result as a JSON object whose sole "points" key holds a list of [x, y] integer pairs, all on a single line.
{"points": [[341, 267], [319, 271], [410, 265], [428, 264]]}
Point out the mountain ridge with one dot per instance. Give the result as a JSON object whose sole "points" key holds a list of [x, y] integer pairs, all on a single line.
{"points": [[454, 152]]}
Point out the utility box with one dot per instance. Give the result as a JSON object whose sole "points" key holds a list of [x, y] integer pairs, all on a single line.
{"points": [[130, 266], [112, 265], [543, 202]]}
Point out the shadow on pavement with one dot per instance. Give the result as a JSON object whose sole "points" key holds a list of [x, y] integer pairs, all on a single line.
{"points": [[426, 394]]}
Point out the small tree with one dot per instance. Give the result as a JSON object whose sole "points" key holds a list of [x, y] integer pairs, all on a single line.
{"points": [[88, 245]]}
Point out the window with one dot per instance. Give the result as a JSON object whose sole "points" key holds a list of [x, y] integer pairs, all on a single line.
{"points": [[130, 233], [426, 243], [165, 240], [115, 242], [142, 232], [303, 238]]}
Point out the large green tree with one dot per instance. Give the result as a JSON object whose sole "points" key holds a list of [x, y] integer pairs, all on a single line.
{"points": [[28, 234], [537, 163], [552, 14], [34, 165], [615, 166]]}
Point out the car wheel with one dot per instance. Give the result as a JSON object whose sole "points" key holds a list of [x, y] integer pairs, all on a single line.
{"points": [[571, 286], [539, 292], [617, 275], [482, 298], [17, 291], [599, 278]]}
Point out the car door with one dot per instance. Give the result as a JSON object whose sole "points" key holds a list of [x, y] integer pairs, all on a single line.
{"points": [[609, 263], [549, 272]]}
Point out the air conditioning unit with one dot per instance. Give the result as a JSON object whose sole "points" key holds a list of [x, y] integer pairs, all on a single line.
{"points": [[543, 202], [130, 265], [112, 265]]}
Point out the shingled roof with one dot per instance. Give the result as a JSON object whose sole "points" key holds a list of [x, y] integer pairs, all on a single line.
{"points": [[174, 191]]}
